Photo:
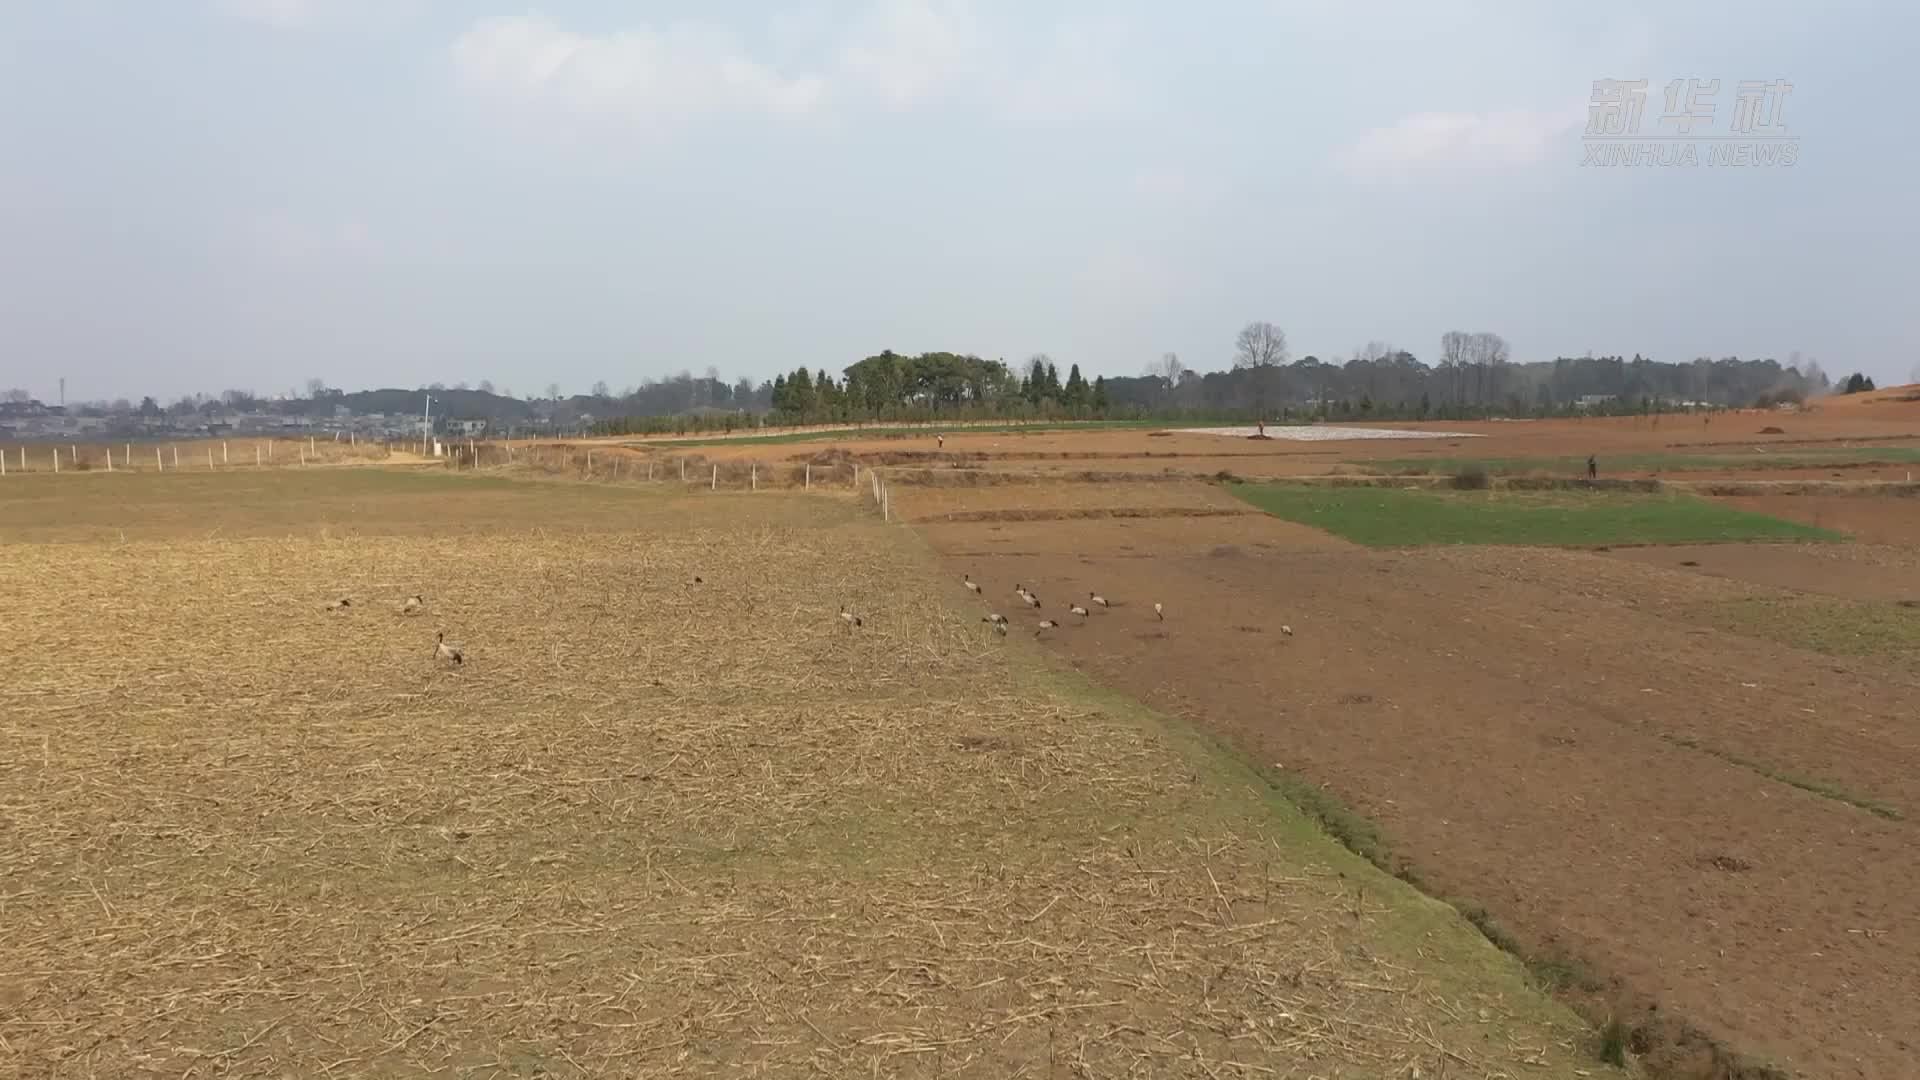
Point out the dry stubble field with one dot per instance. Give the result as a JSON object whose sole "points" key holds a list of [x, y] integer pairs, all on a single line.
{"points": [[652, 826]]}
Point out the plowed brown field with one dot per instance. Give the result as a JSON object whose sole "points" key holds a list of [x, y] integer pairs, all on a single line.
{"points": [[1691, 821]]}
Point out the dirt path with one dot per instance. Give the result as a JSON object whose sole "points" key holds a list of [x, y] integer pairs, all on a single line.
{"points": [[1546, 734]]}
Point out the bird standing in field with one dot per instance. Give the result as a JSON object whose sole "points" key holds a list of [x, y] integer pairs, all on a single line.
{"points": [[452, 654], [1077, 610], [1029, 599], [1097, 600], [341, 604], [996, 618], [849, 618], [1045, 625], [413, 605], [1000, 628], [1287, 630], [972, 585], [1158, 613]]}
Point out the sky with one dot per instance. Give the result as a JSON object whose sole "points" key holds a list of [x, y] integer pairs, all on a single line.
{"points": [[198, 195]]}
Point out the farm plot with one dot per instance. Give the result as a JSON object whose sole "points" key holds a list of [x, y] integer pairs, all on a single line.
{"points": [[1665, 787], [1389, 517], [671, 815]]}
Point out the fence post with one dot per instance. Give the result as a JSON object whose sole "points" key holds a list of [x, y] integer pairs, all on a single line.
{"points": [[256, 449], [683, 470], [75, 458], [3, 463], [753, 476], [223, 452], [110, 459], [56, 460], [809, 485], [589, 463], [649, 470], [209, 459], [157, 466], [176, 457], [256, 455], [715, 486], [311, 447]]}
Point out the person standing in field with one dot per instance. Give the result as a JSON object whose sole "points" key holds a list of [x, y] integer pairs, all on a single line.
{"points": [[1593, 468]]}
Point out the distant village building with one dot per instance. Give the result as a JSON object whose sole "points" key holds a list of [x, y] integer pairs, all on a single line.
{"points": [[1594, 401]]}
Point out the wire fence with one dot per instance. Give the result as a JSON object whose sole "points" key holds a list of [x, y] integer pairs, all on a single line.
{"points": [[565, 460]]}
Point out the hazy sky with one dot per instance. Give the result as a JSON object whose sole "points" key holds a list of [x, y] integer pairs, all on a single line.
{"points": [[200, 194]]}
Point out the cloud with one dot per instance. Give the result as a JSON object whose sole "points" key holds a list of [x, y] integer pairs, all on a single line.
{"points": [[680, 70], [892, 55], [904, 52], [1459, 142]]}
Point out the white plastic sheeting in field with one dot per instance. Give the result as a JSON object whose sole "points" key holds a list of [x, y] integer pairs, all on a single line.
{"points": [[1330, 433]]}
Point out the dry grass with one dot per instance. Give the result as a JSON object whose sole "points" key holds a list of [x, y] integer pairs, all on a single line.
{"points": [[651, 828]]}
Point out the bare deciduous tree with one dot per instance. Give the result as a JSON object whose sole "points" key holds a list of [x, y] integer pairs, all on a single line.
{"points": [[1168, 367], [1260, 344], [1260, 350], [600, 389], [486, 386], [553, 391]]}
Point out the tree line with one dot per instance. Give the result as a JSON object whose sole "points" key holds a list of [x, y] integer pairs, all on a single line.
{"points": [[1473, 375]]}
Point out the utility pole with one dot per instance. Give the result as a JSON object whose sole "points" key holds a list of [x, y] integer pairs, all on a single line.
{"points": [[426, 423]]}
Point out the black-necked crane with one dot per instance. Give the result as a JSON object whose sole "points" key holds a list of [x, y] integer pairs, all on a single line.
{"points": [[1000, 628], [1097, 600], [996, 618], [849, 618], [1029, 599], [341, 604], [1045, 625], [1077, 610], [1158, 613], [452, 654], [972, 585], [1287, 630], [413, 605]]}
